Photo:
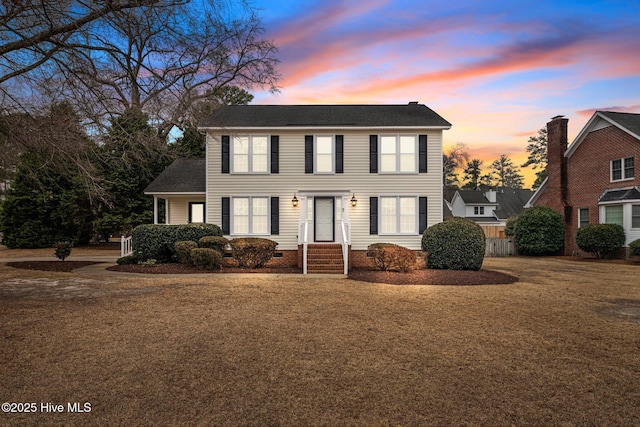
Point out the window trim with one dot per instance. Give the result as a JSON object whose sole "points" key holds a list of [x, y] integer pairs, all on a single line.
{"points": [[623, 169], [332, 154], [416, 224], [478, 210], [232, 215], [250, 170], [416, 154]]}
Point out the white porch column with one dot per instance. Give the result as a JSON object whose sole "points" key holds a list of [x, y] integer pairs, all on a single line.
{"points": [[155, 209]]}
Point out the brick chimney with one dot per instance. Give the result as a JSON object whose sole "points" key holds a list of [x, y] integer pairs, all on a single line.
{"points": [[557, 164]]}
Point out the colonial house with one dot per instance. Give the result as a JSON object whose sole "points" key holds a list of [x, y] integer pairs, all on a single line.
{"points": [[595, 179], [489, 206], [324, 181]]}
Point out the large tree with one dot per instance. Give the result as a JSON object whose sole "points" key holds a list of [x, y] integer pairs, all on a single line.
{"points": [[503, 173], [472, 174], [34, 33], [537, 149], [452, 160]]}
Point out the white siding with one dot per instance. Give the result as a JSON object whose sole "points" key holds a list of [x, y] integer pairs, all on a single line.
{"points": [[179, 208], [355, 179]]}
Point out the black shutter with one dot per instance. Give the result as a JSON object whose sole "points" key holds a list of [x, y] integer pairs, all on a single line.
{"points": [[226, 215], [308, 154], [373, 154], [422, 153], [275, 216], [225, 153], [275, 154], [422, 202], [373, 215], [339, 154]]}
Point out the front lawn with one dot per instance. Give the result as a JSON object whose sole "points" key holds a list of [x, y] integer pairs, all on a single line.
{"points": [[558, 347]]}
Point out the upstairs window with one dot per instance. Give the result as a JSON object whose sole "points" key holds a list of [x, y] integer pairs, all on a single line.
{"points": [[250, 154], [622, 169], [478, 210], [398, 154], [324, 154]]}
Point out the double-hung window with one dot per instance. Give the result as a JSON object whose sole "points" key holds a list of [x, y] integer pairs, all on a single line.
{"points": [[583, 217], [398, 215], [478, 210], [622, 169], [250, 154], [398, 153], [250, 215], [324, 154]]}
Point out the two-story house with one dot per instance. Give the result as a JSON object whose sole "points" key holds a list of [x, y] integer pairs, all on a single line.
{"points": [[595, 179], [314, 178], [489, 206]]}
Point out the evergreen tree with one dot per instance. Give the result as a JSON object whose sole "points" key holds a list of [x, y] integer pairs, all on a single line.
{"points": [[132, 156], [473, 174], [505, 174], [537, 149]]}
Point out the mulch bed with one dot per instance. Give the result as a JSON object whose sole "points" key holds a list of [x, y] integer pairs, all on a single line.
{"points": [[63, 266], [416, 277], [433, 277]]}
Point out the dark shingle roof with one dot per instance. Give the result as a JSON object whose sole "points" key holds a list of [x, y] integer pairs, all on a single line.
{"points": [[412, 115], [620, 195], [473, 197], [181, 176], [628, 121], [511, 202]]}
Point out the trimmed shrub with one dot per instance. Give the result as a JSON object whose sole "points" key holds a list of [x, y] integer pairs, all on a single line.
{"points": [[600, 239], [218, 243], [157, 241], [252, 252], [126, 260], [454, 244], [183, 250], [634, 248], [539, 231], [390, 257], [63, 250], [510, 227], [206, 258]]}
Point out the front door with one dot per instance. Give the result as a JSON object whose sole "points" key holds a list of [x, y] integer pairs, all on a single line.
{"points": [[324, 219]]}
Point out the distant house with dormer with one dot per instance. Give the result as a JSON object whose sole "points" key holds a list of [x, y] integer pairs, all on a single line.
{"points": [[487, 206]]}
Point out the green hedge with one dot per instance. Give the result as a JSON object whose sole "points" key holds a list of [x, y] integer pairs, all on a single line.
{"points": [[635, 248], [600, 239], [206, 258], [155, 241], [454, 244], [539, 231]]}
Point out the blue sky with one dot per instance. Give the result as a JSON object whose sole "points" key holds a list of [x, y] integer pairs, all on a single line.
{"points": [[498, 71]]}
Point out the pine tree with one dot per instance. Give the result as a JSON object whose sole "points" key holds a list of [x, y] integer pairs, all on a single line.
{"points": [[505, 174], [537, 149], [473, 174]]}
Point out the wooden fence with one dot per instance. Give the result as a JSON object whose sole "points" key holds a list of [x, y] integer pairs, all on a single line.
{"points": [[493, 231], [499, 247]]}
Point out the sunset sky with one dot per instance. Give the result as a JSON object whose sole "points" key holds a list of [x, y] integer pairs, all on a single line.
{"points": [[498, 71]]}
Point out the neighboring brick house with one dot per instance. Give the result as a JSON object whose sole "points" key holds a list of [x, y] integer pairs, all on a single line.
{"points": [[314, 178], [596, 179]]}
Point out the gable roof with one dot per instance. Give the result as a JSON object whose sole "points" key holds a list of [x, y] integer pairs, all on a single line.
{"points": [[511, 202], [181, 176], [241, 116], [627, 122], [473, 197]]}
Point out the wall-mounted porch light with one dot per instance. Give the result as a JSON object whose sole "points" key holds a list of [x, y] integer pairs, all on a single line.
{"points": [[294, 201], [354, 201]]}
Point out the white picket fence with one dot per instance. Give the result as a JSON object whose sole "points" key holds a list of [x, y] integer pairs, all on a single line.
{"points": [[496, 247], [125, 246]]}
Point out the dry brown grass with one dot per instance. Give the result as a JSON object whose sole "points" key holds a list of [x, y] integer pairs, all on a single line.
{"points": [[557, 348]]}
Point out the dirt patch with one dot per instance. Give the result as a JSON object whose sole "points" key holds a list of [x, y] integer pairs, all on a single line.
{"points": [[66, 288], [627, 309], [433, 277], [60, 266]]}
